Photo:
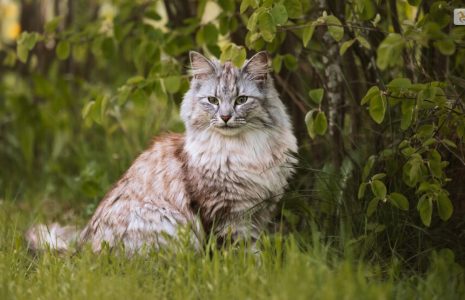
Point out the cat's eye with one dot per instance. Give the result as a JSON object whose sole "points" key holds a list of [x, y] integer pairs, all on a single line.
{"points": [[241, 100], [213, 100]]}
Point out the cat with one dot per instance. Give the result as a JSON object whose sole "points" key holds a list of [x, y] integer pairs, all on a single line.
{"points": [[224, 176]]}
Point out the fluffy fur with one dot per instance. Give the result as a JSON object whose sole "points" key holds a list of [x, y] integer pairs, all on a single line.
{"points": [[221, 177]]}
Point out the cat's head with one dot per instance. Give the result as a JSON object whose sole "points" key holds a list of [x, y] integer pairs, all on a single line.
{"points": [[227, 99]]}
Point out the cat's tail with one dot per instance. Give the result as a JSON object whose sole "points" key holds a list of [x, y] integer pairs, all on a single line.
{"points": [[54, 237]]}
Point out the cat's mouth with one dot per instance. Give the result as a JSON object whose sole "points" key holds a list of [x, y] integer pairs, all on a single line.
{"points": [[229, 126], [228, 129]]}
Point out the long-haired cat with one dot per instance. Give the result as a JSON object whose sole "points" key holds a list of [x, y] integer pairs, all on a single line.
{"points": [[223, 176]]}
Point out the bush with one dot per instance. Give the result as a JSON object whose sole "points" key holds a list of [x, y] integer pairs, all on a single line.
{"points": [[375, 89]]}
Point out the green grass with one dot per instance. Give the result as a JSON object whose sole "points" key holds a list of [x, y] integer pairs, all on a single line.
{"points": [[285, 269]]}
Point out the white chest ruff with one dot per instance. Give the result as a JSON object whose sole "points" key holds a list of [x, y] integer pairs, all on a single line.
{"points": [[246, 170]]}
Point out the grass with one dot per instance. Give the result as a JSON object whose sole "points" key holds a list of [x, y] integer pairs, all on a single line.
{"points": [[285, 269]]}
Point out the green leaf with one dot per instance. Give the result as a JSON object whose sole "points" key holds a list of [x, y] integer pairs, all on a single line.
{"points": [[372, 206], [99, 109], [379, 189], [378, 176], [407, 151], [386, 153], [426, 187], [346, 45], [139, 97], [425, 208], [428, 93], [210, 34], [361, 190], [400, 83], [279, 14], [135, 80], [52, 25], [234, 53], [153, 14], [374, 90], [376, 21], [404, 144], [86, 110], [244, 5], [10, 60], [321, 124], [407, 109], [80, 52], [63, 49], [440, 13], [121, 31], [227, 5], [389, 51], [461, 130], [435, 168], [412, 170], [22, 52], [368, 166], [377, 108], [95, 110], [308, 33], [26, 43], [425, 131], [444, 205], [172, 84], [335, 28], [366, 9], [316, 95], [29, 39], [294, 8], [434, 155], [253, 20], [363, 42], [310, 124], [446, 46], [239, 56], [201, 4], [266, 26], [277, 63], [449, 143], [457, 34], [290, 62], [399, 201]]}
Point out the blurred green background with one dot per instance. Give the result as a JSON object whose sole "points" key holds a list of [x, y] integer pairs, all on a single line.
{"points": [[375, 90]]}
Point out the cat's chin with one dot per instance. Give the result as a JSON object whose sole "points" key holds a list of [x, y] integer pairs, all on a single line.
{"points": [[228, 131]]}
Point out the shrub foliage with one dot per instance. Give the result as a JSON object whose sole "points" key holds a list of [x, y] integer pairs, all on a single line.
{"points": [[375, 89]]}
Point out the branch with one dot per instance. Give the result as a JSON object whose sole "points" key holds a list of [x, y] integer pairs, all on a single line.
{"points": [[291, 94], [348, 25]]}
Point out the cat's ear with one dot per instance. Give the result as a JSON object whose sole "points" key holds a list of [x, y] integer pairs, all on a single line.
{"points": [[201, 67], [258, 66]]}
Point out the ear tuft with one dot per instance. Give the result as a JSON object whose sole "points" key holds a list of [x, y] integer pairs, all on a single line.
{"points": [[201, 67], [258, 66]]}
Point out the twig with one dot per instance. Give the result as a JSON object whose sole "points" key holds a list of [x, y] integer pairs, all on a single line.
{"points": [[291, 94], [453, 153], [457, 100]]}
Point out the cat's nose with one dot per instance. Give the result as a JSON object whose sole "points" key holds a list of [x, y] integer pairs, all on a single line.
{"points": [[225, 118]]}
